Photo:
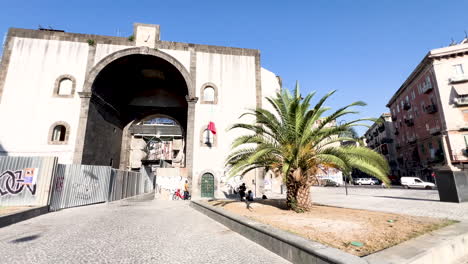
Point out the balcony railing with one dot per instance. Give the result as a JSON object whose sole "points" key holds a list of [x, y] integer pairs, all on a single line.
{"points": [[406, 106], [409, 122], [434, 130], [458, 79], [462, 100], [430, 109], [427, 87]]}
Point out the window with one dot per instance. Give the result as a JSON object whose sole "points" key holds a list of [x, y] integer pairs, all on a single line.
{"points": [[64, 86], [398, 108], [465, 115], [423, 149], [209, 94], [58, 133], [413, 95], [458, 69], [407, 99]]}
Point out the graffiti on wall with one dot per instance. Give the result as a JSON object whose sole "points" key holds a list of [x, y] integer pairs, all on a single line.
{"points": [[14, 182]]}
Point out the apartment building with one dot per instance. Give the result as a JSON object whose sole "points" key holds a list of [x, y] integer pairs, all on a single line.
{"points": [[430, 114], [381, 138]]}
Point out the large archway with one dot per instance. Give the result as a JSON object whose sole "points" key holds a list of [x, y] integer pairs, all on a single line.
{"points": [[127, 87]]}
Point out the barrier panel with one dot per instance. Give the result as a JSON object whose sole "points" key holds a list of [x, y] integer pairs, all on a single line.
{"points": [[77, 185], [26, 181]]}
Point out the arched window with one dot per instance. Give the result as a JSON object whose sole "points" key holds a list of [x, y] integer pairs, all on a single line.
{"points": [[207, 138], [65, 86], [209, 94], [58, 134]]}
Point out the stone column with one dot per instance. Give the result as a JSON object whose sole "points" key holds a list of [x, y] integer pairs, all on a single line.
{"points": [[82, 124], [190, 143]]}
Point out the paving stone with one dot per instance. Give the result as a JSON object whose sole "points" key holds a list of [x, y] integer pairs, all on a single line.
{"points": [[128, 232]]}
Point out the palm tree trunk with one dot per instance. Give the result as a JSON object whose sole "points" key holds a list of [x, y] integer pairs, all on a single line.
{"points": [[303, 197], [298, 195]]}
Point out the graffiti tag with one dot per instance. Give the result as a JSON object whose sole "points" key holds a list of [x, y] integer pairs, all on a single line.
{"points": [[13, 182]]}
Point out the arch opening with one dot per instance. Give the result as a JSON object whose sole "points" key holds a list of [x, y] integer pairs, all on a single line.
{"points": [[135, 99]]}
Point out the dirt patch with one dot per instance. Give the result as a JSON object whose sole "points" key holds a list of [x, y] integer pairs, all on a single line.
{"points": [[6, 210], [358, 232]]}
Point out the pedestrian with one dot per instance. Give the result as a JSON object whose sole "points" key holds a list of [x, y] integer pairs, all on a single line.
{"points": [[186, 190], [242, 190], [250, 196]]}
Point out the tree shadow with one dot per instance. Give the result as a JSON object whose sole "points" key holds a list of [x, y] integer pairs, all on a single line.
{"points": [[278, 203], [25, 239]]}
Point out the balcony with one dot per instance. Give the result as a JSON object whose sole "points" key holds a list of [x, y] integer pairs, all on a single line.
{"points": [[461, 100], [406, 106], [434, 130], [458, 79], [409, 122], [427, 87], [430, 109]]}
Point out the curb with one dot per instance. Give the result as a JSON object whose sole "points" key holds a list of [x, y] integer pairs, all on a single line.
{"points": [[288, 246], [445, 245], [14, 218]]}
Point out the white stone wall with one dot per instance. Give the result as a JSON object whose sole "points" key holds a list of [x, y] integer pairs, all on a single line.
{"points": [[103, 50], [234, 77], [28, 107], [182, 56], [270, 86]]}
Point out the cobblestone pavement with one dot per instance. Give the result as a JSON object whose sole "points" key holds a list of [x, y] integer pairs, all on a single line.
{"points": [[128, 232], [403, 201]]}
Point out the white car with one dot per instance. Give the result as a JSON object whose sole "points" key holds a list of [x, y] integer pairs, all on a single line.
{"points": [[415, 182], [366, 181]]}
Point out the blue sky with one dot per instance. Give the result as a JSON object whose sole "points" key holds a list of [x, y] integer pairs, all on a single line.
{"points": [[363, 49]]}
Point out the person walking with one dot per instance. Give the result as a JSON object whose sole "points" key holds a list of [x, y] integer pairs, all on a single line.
{"points": [[186, 190], [242, 190]]}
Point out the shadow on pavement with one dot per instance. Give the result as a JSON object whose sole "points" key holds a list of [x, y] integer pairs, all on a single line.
{"points": [[407, 198], [24, 239]]}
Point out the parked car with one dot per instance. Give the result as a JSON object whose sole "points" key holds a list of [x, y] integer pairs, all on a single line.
{"points": [[329, 182], [415, 182], [366, 181]]}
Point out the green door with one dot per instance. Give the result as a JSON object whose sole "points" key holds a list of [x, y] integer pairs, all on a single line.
{"points": [[207, 185]]}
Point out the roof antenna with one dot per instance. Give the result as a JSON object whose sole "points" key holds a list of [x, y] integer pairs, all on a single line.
{"points": [[453, 42]]}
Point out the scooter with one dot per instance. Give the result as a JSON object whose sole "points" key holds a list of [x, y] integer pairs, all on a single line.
{"points": [[177, 195]]}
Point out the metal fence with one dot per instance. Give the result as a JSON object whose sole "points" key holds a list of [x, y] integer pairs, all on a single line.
{"points": [[127, 184], [26, 180], [77, 185]]}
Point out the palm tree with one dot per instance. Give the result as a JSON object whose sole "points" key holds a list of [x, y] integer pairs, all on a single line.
{"points": [[298, 141]]}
